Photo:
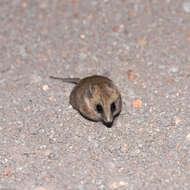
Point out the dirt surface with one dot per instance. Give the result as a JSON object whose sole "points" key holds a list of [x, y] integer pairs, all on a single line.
{"points": [[143, 46]]}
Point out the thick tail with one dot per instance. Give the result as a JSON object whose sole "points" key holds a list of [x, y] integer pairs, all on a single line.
{"points": [[70, 80]]}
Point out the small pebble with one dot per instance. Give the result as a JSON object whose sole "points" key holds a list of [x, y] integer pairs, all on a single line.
{"points": [[5, 173], [82, 36], [2, 81], [131, 75], [45, 87], [177, 120], [149, 63], [23, 51], [173, 70], [24, 5], [188, 137], [186, 7], [52, 156], [124, 148], [116, 185], [101, 187], [137, 103], [83, 56], [47, 152]]}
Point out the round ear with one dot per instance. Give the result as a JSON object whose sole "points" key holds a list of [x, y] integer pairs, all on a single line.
{"points": [[89, 91]]}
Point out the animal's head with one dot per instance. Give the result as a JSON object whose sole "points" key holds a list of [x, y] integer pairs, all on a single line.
{"points": [[104, 102]]}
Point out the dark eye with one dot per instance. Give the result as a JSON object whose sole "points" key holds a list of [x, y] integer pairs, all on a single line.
{"points": [[113, 107], [99, 108]]}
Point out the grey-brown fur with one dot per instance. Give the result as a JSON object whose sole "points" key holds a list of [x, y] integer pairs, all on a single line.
{"points": [[94, 91]]}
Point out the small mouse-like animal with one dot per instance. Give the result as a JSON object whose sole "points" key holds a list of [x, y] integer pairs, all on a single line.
{"points": [[95, 97]]}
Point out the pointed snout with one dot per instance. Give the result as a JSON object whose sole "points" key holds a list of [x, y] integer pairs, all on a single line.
{"points": [[108, 121]]}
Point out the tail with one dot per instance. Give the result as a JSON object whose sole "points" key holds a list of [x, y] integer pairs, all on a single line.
{"points": [[70, 80]]}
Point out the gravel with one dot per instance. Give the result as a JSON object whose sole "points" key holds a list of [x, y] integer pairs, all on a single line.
{"points": [[143, 46]]}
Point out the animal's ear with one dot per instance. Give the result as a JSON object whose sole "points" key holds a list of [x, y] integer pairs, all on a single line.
{"points": [[89, 91]]}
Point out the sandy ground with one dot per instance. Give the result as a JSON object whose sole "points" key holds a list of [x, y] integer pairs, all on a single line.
{"points": [[143, 46]]}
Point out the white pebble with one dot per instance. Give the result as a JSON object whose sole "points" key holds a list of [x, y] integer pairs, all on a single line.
{"points": [[186, 7], [118, 184], [188, 137], [82, 36], [173, 70], [45, 87]]}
